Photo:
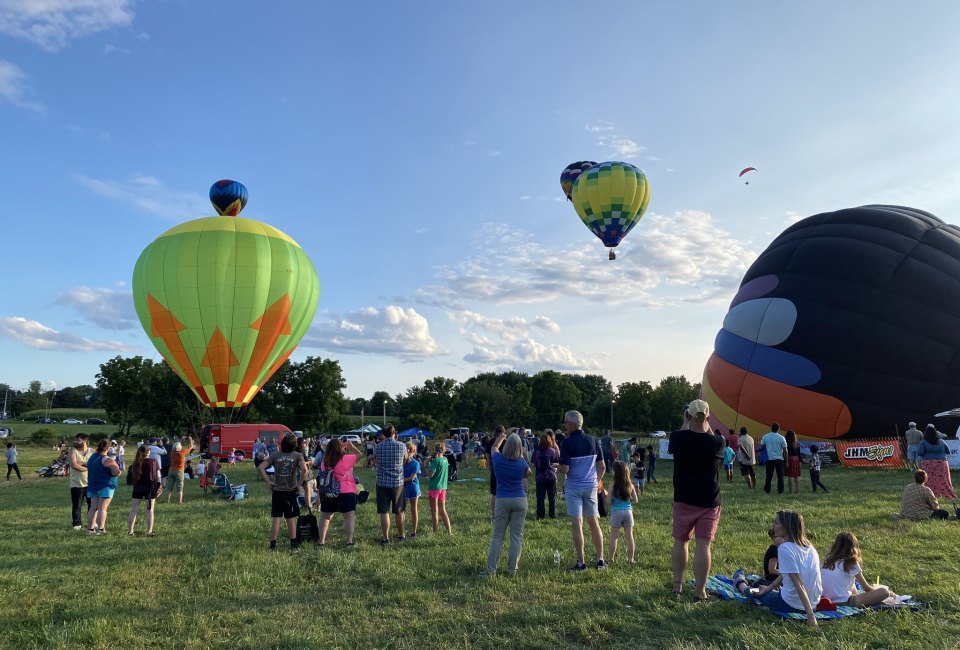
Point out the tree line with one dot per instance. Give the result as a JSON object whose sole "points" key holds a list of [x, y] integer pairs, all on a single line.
{"points": [[308, 396]]}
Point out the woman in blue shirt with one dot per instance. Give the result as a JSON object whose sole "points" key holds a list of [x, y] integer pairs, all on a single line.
{"points": [[932, 453], [102, 473], [511, 470]]}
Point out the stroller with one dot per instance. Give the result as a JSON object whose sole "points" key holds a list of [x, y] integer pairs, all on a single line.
{"points": [[59, 467], [452, 462]]}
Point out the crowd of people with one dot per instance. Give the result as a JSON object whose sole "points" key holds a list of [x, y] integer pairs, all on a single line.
{"points": [[294, 469]]}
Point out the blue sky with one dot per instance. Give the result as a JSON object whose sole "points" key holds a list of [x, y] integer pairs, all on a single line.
{"points": [[414, 151]]}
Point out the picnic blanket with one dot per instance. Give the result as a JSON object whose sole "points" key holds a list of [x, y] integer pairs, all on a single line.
{"points": [[724, 588]]}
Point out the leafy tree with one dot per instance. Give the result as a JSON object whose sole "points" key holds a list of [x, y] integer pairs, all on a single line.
{"points": [[33, 399], [597, 393], [435, 397], [358, 404], [668, 399], [633, 406], [316, 394], [121, 384], [376, 404], [482, 405], [553, 395], [76, 397], [169, 406], [273, 402], [424, 421]]}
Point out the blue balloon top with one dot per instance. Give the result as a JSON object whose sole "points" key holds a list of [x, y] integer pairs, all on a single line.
{"points": [[228, 197]]}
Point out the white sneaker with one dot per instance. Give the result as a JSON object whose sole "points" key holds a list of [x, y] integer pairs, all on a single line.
{"points": [[78, 527]]}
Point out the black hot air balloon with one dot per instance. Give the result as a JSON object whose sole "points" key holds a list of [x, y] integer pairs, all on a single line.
{"points": [[848, 325]]}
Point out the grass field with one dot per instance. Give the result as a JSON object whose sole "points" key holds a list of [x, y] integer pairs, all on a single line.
{"points": [[207, 579]]}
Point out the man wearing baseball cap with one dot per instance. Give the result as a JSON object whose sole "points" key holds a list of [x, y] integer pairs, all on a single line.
{"points": [[913, 436], [697, 455]]}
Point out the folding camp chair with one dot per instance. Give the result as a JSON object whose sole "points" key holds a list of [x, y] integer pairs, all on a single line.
{"points": [[223, 489]]}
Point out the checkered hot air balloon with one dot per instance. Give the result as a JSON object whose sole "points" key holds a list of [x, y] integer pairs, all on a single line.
{"points": [[225, 300], [611, 198]]}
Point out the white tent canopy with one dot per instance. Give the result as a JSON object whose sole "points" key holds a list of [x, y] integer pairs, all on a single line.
{"points": [[368, 428]]}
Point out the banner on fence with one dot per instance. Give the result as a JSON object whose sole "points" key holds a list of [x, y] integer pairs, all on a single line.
{"points": [[954, 457], [885, 452], [665, 449]]}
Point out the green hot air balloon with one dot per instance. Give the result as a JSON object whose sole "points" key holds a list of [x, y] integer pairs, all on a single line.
{"points": [[225, 300]]}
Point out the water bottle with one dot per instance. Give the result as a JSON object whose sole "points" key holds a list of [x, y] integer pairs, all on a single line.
{"points": [[556, 558]]}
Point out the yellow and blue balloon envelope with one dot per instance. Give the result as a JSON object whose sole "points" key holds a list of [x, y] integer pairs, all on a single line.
{"points": [[611, 198]]}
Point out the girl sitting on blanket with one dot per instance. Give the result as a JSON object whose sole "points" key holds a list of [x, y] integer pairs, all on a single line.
{"points": [[799, 565], [842, 569]]}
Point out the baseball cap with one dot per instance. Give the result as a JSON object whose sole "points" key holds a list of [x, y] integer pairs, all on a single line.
{"points": [[912, 424], [698, 406]]}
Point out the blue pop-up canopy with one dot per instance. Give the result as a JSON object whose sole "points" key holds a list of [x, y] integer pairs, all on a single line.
{"points": [[415, 431]]}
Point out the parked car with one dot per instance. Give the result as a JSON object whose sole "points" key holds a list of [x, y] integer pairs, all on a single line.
{"points": [[72, 421], [6, 432], [353, 438], [658, 434], [95, 421], [46, 421]]}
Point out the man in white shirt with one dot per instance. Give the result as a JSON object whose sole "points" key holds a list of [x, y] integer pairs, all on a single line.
{"points": [[775, 445], [156, 451], [747, 458]]}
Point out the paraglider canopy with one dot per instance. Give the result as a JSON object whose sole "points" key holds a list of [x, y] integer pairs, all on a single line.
{"points": [[744, 171]]}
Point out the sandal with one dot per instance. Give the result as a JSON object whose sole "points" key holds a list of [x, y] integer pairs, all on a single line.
{"points": [[150, 534], [678, 588], [709, 598]]}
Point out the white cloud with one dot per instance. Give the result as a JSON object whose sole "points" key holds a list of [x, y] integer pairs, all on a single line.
{"points": [[667, 259], [616, 145], [545, 323], [107, 308], [149, 194], [392, 331], [623, 147], [600, 126], [52, 24], [530, 356], [37, 335], [510, 346], [792, 216], [110, 49], [14, 88], [494, 153]]}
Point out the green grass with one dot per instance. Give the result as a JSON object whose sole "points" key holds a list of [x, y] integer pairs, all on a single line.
{"points": [[24, 425], [208, 580]]}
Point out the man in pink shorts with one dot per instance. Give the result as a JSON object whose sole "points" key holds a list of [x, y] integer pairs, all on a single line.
{"points": [[697, 456]]}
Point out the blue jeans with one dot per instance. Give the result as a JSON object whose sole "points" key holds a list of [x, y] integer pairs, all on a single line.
{"points": [[775, 603]]}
